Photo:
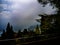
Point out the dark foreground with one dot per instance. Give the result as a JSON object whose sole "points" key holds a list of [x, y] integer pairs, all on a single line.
{"points": [[49, 41], [46, 42]]}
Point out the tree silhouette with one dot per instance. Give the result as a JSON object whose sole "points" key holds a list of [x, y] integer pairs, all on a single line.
{"points": [[25, 31], [56, 27], [3, 35], [44, 2], [54, 3], [8, 28], [37, 31], [9, 31], [19, 34]]}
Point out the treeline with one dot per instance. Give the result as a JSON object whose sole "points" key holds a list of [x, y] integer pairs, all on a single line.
{"points": [[10, 34]]}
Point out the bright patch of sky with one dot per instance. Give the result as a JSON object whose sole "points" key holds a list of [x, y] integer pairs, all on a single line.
{"points": [[22, 13]]}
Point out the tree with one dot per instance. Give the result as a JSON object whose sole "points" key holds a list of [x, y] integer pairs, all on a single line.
{"points": [[37, 31], [9, 31], [8, 28], [19, 34], [25, 31], [54, 3], [44, 2], [3, 35]]}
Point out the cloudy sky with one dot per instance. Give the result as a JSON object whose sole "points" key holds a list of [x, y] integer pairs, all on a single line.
{"points": [[22, 13]]}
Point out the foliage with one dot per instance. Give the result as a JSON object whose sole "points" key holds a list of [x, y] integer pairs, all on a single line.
{"points": [[25, 31], [53, 2], [3, 35], [37, 31], [56, 26], [9, 31], [19, 34]]}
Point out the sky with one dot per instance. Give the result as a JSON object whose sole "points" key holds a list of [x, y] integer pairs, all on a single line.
{"points": [[22, 13]]}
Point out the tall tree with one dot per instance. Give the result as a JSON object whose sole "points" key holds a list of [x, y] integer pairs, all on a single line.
{"points": [[8, 28], [9, 31], [54, 3]]}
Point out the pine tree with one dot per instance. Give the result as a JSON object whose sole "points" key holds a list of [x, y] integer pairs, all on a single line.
{"points": [[9, 31], [12, 32], [8, 28]]}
